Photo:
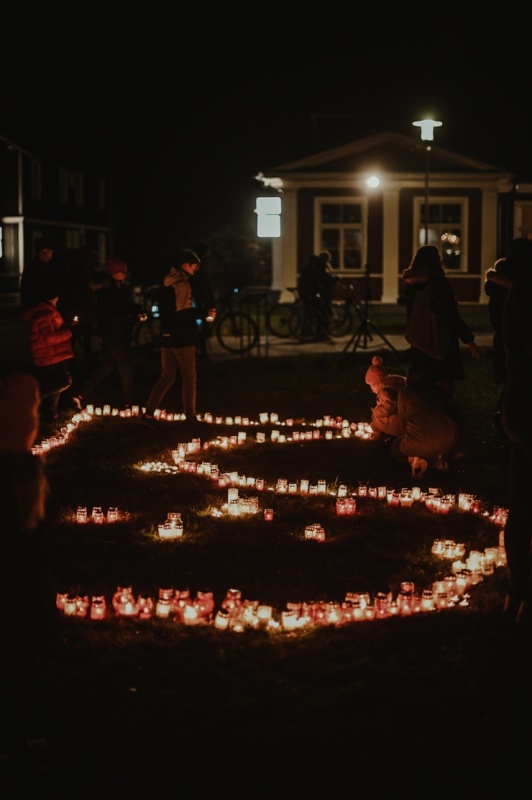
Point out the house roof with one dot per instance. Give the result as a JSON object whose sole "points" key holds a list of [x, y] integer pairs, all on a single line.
{"points": [[386, 151]]}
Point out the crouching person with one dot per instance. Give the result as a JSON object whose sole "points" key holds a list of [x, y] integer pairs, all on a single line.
{"points": [[432, 425], [384, 415]]}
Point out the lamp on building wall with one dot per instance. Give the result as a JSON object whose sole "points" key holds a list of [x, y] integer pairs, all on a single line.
{"points": [[427, 135]]}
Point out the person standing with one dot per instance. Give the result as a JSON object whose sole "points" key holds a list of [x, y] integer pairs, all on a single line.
{"points": [[516, 423], [315, 286], [81, 301], [426, 285], [51, 349], [43, 270], [178, 336], [117, 313]]}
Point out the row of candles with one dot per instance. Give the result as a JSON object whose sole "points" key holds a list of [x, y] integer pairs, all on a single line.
{"points": [[236, 614], [335, 426]]}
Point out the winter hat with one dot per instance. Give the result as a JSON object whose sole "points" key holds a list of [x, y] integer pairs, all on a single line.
{"points": [[114, 266], [376, 373], [19, 412]]}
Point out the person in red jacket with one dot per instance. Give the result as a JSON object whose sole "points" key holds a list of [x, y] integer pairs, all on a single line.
{"points": [[51, 350]]}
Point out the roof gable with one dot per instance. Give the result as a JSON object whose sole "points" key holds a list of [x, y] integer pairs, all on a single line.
{"points": [[386, 151]]}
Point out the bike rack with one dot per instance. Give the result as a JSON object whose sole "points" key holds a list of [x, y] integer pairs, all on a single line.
{"points": [[255, 301]]}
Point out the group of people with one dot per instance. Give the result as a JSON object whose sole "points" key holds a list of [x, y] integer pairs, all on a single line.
{"points": [[62, 306], [435, 331], [419, 411]]}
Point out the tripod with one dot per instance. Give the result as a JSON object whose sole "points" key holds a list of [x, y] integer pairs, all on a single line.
{"points": [[363, 332]]}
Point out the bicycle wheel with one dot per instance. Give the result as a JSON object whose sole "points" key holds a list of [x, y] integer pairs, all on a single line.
{"points": [[237, 332], [342, 320], [280, 320]]}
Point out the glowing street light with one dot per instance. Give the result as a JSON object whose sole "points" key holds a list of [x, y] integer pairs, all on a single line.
{"points": [[426, 127]]}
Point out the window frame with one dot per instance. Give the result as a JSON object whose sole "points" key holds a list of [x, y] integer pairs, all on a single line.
{"points": [[361, 227], [419, 227]]}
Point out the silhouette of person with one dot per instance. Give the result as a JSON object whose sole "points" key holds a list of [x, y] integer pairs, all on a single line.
{"points": [[117, 314], [427, 268], [29, 634], [178, 336], [517, 339], [43, 269]]}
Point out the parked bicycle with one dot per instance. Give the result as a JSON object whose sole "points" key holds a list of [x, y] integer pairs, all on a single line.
{"points": [[235, 330], [310, 322]]}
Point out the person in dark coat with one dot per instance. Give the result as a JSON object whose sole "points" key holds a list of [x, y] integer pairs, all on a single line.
{"points": [[427, 266], [44, 270], [117, 315], [81, 301], [517, 426]]}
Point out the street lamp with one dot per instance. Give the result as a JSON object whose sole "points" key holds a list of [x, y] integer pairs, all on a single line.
{"points": [[427, 135]]}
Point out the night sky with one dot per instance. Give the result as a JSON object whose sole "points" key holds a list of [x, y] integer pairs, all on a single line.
{"points": [[186, 107]]}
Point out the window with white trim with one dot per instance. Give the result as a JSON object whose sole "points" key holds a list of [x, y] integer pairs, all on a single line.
{"points": [[446, 227], [340, 229]]}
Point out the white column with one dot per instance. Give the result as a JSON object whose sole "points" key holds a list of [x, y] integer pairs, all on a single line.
{"points": [[284, 249], [390, 246]]}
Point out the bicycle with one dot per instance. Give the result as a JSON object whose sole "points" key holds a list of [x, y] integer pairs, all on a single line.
{"points": [[235, 331], [305, 321]]}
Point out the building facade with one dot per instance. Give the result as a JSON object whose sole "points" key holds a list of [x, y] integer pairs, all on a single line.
{"points": [[372, 202], [70, 205]]}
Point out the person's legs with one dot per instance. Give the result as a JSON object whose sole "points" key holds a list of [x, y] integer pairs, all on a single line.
{"points": [[105, 369], [186, 359], [53, 380], [168, 374]]}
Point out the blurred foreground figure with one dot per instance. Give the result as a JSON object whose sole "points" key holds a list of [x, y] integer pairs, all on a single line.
{"points": [[29, 611], [517, 426]]}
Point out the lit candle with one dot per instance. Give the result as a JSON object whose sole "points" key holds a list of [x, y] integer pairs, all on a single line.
{"points": [[97, 514], [145, 606], [289, 620], [98, 607], [221, 621]]}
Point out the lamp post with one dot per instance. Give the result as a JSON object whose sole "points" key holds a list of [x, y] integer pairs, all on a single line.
{"points": [[427, 135]]}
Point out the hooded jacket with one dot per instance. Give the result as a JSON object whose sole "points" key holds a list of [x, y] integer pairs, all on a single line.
{"points": [[50, 337]]}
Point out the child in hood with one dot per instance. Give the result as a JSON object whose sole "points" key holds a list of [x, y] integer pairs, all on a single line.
{"points": [[384, 416]]}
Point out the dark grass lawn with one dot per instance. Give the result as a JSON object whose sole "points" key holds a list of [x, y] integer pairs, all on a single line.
{"points": [[430, 705]]}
